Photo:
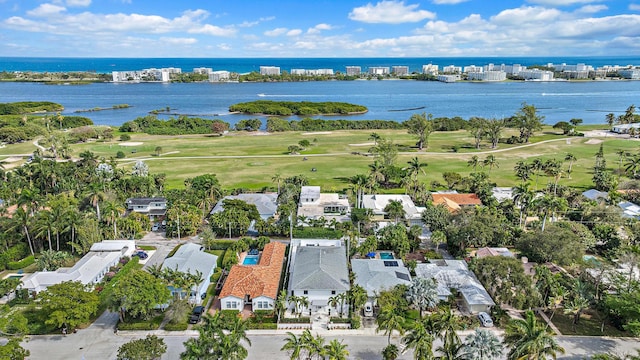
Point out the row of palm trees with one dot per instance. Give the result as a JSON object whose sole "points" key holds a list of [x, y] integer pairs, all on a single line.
{"points": [[307, 346]]}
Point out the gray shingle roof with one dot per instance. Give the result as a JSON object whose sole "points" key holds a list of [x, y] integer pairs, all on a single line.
{"points": [[190, 259], [267, 204], [320, 268], [455, 274], [374, 276]]}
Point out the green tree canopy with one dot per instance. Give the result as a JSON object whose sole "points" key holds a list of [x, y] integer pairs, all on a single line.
{"points": [[149, 348], [69, 304], [137, 293]]}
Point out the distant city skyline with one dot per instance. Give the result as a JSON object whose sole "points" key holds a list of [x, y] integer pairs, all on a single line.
{"points": [[326, 28]]}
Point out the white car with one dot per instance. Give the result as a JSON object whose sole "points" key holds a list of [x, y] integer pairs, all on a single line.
{"points": [[155, 227], [368, 309], [485, 319]]}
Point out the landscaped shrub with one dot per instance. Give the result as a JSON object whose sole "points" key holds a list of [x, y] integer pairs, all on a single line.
{"points": [[125, 137], [262, 326], [176, 327], [14, 253], [339, 320], [120, 155], [15, 265], [355, 322], [222, 244], [230, 259], [296, 320], [316, 233]]}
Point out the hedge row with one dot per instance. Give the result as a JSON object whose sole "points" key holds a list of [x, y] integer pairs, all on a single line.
{"points": [[14, 253], [15, 265], [262, 326], [222, 244], [300, 320], [176, 327], [316, 233]]}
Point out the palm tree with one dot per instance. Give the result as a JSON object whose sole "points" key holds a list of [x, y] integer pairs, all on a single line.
{"points": [[482, 345], [553, 168], [238, 330], [423, 293], [293, 345], [415, 168], [571, 159], [536, 166], [376, 172], [336, 350], [523, 196], [359, 182], [281, 303], [633, 165], [395, 210], [529, 340], [72, 219], [448, 323], [23, 220], [277, 178], [420, 340], [490, 162], [390, 352], [474, 162], [610, 119], [95, 195], [112, 211], [375, 137], [522, 170], [389, 321], [44, 225], [315, 345]]}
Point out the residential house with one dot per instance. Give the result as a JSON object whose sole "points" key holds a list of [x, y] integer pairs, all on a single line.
{"points": [[192, 259], [502, 193], [629, 209], [493, 251], [376, 275], [255, 286], [456, 202], [154, 207], [595, 195], [266, 204], [454, 274], [318, 273], [377, 203], [89, 270], [315, 205]]}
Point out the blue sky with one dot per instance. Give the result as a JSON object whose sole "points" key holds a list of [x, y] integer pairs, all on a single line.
{"points": [[318, 28]]}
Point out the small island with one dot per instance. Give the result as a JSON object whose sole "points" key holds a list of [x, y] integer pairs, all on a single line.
{"points": [[114, 107], [301, 108]]}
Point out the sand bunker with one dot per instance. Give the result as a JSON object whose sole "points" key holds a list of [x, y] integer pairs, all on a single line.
{"points": [[363, 144], [593, 141], [131, 143], [318, 133]]}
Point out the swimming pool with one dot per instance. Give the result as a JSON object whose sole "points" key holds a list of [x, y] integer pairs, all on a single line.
{"points": [[386, 256], [250, 260]]}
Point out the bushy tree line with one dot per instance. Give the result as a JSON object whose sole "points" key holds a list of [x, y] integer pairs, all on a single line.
{"points": [[16, 128], [309, 124], [150, 124], [285, 108], [27, 107]]}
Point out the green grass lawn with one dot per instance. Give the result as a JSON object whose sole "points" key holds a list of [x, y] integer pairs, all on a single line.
{"points": [[589, 325], [249, 160]]}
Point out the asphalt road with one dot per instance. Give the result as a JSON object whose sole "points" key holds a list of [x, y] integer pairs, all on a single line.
{"points": [[99, 342]]}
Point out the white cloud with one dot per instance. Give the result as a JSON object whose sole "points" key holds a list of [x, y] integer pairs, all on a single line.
{"points": [[276, 32], [634, 7], [562, 2], [592, 9], [79, 3], [318, 28], [294, 32], [390, 12], [46, 10], [257, 22], [179, 41], [224, 47], [448, 2], [57, 21]]}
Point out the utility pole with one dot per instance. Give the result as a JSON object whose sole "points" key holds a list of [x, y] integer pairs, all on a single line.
{"points": [[229, 230], [178, 227]]}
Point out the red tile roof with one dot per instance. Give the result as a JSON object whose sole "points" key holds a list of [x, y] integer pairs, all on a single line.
{"points": [[454, 202], [257, 280]]}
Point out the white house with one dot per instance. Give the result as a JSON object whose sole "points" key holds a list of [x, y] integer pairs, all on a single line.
{"points": [[454, 274], [89, 270], [315, 205], [191, 258], [378, 202], [375, 275], [319, 273], [153, 207]]}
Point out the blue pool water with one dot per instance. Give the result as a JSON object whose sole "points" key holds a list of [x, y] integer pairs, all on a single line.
{"points": [[386, 255], [250, 260], [592, 259]]}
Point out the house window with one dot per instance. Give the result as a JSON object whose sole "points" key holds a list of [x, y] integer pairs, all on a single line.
{"points": [[306, 292], [262, 304], [232, 304], [333, 292]]}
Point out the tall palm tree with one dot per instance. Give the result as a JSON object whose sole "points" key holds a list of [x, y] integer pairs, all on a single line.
{"points": [[448, 324], [536, 166], [336, 350], [490, 161], [571, 159], [482, 345], [359, 182], [95, 195], [113, 210], [633, 165], [522, 170], [523, 196], [375, 137], [423, 293], [553, 168], [389, 321], [474, 162], [315, 345], [72, 219], [277, 178], [415, 168], [23, 220], [44, 225], [529, 340], [395, 210], [420, 340], [610, 119], [293, 345], [376, 171]]}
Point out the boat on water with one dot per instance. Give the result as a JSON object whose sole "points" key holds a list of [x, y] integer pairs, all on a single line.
{"points": [[262, 95]]}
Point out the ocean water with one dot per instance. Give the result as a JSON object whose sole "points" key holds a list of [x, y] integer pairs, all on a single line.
{"points": [[386, 100], [243, 65]]}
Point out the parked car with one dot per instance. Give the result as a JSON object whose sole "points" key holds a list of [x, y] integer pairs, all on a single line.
{"points": [[196, 314], [141, 254], [368, 309], [155, 227], [485, 319]]}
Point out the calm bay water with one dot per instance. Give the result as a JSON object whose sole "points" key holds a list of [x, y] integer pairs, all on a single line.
{"points": [[557, 101]]}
